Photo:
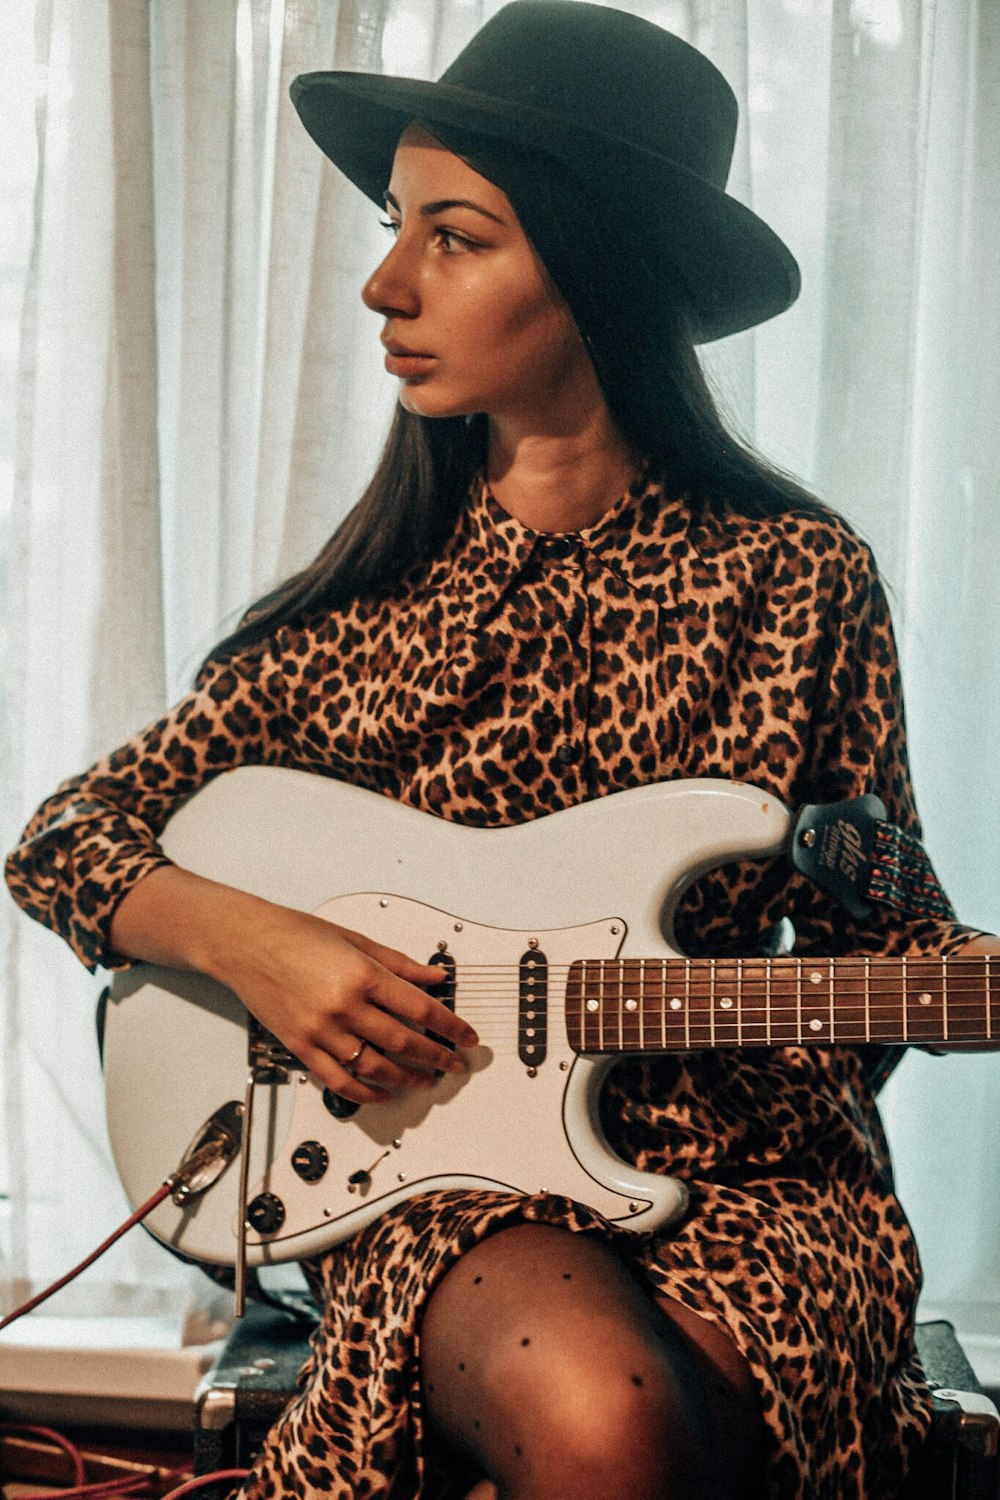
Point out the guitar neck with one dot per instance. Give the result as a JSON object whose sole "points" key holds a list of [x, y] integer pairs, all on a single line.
{"points": [[682, 1005]]}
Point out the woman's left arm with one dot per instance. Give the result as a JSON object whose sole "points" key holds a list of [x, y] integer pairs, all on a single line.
{"points": [[858, 745], [984, 943], [846, 723]]}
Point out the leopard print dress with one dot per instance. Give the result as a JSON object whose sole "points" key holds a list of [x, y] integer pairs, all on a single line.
{"points": [[517, 674]]}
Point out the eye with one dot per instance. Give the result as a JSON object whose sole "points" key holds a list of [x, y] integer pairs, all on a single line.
{"points": [[389, 224], [453, 243]]}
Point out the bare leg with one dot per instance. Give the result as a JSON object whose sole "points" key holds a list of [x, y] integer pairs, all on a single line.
{"points": [[551, 1369]]}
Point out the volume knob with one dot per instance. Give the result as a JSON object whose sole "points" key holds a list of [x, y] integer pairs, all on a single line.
{"points": [[266, 1213], [310, 1160], [339, 1107]]}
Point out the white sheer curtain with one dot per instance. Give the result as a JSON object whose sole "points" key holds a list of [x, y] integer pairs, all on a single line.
{"points": [[201, 397]]}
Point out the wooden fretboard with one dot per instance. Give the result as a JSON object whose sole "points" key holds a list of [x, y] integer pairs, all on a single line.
{"points": [[681, 1005]]}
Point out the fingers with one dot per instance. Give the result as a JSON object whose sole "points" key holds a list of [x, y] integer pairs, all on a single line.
{"points": [[325, 990], [393, 985], [371, 1076], [388, 1016], [376, 1070], [395, 997], [333, 1075]]}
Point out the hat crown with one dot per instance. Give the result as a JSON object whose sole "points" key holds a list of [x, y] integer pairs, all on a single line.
{"points": [[593, 68]]}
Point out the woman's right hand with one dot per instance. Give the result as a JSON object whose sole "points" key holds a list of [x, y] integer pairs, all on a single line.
{"points": [[353, 1011]]}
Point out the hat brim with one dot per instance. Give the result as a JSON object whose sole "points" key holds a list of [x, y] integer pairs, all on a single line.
{"points": [[737, 272]]}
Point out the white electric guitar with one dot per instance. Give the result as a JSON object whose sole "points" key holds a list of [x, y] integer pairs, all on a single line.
{"points": [[556, 937]]}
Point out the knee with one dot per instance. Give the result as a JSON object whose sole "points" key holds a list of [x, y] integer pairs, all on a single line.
{"points": [[611, 1432]]}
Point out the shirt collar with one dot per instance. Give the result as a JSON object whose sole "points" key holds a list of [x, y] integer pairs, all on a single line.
{"points": [[646, 538]]}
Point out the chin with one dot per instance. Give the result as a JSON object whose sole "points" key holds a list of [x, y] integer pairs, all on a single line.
{"points": [[422, 401]]}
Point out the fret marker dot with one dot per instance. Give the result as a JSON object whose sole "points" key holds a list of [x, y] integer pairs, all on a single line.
{"points": [[815, 1024], [926, 999], [815, 977], [631, 1005], [591, 1004], [675, 1004], [726, 1003]]}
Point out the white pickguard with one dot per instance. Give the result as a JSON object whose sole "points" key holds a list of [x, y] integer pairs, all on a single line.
{"points": [[595, 881]]}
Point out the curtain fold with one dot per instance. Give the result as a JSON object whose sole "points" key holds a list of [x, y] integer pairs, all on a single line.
{"points": [[202, 398], [83, 658]]}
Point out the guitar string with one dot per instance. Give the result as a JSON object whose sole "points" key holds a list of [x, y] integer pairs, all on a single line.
{"points": [[647, 982]]}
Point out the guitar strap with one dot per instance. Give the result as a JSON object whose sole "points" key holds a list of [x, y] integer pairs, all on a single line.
{"points": [[902, 876], [852, 851]]}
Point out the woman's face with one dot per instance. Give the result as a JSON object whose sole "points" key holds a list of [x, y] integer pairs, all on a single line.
{"points": [[471, 322]]}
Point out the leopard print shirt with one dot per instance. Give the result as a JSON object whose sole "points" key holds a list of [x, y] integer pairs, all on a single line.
{"points": [[517, 674]]}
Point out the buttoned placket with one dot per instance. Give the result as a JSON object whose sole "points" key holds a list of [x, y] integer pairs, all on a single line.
{"points": [[565, 552]]}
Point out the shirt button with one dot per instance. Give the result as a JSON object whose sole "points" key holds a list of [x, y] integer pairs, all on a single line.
{"points": [[566, 755], [560, 546]]}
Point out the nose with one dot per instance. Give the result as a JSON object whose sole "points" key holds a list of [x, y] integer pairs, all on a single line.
{"points": [[391, 289]]}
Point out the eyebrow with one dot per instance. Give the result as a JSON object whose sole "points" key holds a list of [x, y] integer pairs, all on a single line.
{"points": [[441, 205]]}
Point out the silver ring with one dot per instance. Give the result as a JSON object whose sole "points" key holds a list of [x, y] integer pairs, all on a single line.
{"points": [[348, 1062]]}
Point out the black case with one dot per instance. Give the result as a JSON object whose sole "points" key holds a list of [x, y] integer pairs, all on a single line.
{"points": [[961, 1460], [247, 1389], [254, 1379]]}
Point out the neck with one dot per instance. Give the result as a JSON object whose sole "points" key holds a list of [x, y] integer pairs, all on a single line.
{"points": [[560, 481]]}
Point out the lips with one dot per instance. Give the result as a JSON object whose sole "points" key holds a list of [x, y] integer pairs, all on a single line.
{"points": [[405, 362]]}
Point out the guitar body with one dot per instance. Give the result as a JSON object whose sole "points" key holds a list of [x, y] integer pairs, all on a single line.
{"points": [[599, 881]]}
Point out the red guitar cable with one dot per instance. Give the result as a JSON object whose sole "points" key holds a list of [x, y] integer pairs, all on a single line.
{"points": [[127, 1486], [147, 1208]]}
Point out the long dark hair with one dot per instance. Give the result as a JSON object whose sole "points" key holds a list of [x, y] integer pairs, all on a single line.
{"points": [[638, 328]]}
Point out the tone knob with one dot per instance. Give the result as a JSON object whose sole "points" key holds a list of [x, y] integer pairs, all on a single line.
{"points": [[310, 1160], [266, 1213], [339, 1107]]}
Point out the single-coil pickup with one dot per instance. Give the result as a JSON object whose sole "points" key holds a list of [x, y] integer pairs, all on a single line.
{"points": [[444, 990], [532, 1007]]}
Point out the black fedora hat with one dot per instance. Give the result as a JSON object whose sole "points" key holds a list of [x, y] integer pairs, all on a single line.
{"points": [[643, 120]]}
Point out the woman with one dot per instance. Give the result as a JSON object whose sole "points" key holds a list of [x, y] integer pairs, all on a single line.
{"points": [[566, 579]]}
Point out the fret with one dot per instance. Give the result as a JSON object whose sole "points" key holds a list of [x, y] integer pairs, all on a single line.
{"points": [[642, 1005], [813, 1025], [675, 1022], [739, 1002], [622, 972], [966, 1013], [847, 1024], [924, 1002], [783, 1026], [687, 1004], [886, 979], [724, 1011], [574, 1006], [832, 997], [609, 1034], [630, 1005], [595, 1006], [944, 999], [711, 1005], [753, 979], [663, 1002]]}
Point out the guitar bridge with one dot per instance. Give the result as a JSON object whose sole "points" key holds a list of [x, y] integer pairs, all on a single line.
{"points": [[268, 1060]]}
